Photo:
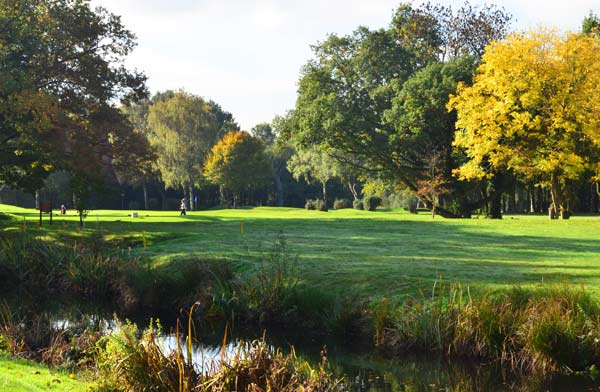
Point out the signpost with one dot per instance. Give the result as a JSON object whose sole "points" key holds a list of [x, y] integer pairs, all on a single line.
{"points": [[46, 208]]}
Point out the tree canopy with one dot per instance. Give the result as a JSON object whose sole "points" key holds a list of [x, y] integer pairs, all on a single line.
{"points": [[534, 109], [182, 128], [58, 80], [238, 163], [364, 95]]}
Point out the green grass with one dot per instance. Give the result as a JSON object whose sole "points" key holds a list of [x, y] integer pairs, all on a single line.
{"points": [[24, 376], [361, 253]]}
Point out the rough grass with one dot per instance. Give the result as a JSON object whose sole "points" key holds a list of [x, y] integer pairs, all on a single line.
{"points": [[359, 253], [26, 376]]}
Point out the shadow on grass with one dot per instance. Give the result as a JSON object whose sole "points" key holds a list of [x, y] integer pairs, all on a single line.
{"points": [[376, 255]]}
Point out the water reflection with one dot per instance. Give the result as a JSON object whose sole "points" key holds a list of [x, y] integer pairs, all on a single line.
{"points": [[367, 372], [361, 370]]}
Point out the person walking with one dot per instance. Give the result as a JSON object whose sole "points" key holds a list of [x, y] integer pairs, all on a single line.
{"points": [[182, 207]]}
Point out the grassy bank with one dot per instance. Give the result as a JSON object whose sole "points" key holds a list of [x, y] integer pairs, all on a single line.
{"points": [[360, 253], [374, 275], [18, 375]]}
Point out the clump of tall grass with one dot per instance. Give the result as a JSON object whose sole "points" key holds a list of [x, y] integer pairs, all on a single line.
{"points": [[128, 362], [39, 268], [268, 292], [550, 330], [36, 338]]}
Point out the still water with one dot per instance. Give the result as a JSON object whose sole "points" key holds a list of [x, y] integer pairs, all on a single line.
{"points": [[360, 368], [367, 371]]}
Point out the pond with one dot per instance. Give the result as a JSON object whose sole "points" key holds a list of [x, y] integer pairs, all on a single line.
{"points": [[360, 367], [364, 370]]}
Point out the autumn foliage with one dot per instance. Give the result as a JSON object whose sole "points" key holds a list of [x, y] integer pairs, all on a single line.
{"points": [[534, 111], [237, 163]]}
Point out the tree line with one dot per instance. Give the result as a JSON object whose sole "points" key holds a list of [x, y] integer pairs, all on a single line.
{"points": [[446, 108]]}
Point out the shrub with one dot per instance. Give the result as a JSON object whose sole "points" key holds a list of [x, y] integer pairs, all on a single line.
{"points": [[310, 204], [133, 205], [321, 205], [358, 204], [341, 204], [372, 202]]}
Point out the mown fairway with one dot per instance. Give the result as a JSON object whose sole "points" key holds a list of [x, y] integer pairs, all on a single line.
{"points": [[360, 253]]}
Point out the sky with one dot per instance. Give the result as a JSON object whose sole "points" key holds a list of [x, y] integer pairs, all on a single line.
{"points": [[247, 54]]}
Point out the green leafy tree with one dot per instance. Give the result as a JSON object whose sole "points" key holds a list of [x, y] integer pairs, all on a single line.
{"points": [[238, 163], [423, 127], [264, 132], [57, 81], [182, 130], [351, 94], [313, 164], [591, 25]]}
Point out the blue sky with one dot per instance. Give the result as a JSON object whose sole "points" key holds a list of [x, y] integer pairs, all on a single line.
{"points": [[247, 54]]}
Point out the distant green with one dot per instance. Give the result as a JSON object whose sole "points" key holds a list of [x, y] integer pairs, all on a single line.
{"points": [[359, 253]]}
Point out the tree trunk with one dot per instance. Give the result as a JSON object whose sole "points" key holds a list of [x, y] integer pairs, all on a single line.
{"points": [[495, 199], [324, 183], [222, 196], [556, 201], [352, 187], [163, 198], [191, 190], [412, 205], [565, 204], [278, 189], [37, 199], [531, 193], [512, 200], [145, 189], [81, 219]]}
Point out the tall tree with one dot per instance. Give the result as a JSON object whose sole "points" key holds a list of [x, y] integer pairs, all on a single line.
{"points": [[591, 25], [264, 132], [313, 164], [238, 163], [533, 110], [424, 128], [182, 130], [58, 80], [346, 92]]}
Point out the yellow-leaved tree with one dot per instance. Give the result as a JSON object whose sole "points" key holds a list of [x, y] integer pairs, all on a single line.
{"points": [[238, 164], [533, 110]]}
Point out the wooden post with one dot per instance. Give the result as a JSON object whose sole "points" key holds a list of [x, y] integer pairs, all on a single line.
{"points": [[45, 208]]}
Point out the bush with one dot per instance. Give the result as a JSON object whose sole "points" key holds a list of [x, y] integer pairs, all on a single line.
{"points": [[358, 204], [341, 204], [321, 205], [310, 204], [372, 202], [133, 205]]}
